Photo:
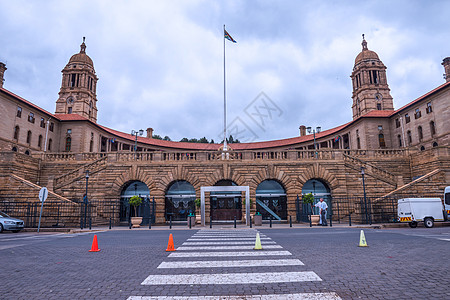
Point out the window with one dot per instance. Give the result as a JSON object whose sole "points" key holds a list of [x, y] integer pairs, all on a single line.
{"points": [[407, 118], [380, 127], [357, 132], [68, 143], [378, 106], [40, 141], [429, 108], [419, 131], [29, 136], [72, 80], [417, 114], [435, 144], [358, 143], [381, 140], [373, 77], [19, 112], [409, 137], [49, 144], [69, 131], [432, 128], [27, 152], [399, 141], [42, 123], [14, 149], [69, 110], [31, 117], [16, 132], [422, 148], [51, 127], [91, 146], [397, 123]]}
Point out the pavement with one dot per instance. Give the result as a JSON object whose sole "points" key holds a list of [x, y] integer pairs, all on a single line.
{"points": [[301, 262]]}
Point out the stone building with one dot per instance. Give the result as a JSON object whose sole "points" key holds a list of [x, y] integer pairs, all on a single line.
{"points": [[403, 150]]}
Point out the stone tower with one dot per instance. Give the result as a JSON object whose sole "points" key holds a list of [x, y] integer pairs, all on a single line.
{"points": [[2, 73], [370, 87], [78, 88], [446, 64]]}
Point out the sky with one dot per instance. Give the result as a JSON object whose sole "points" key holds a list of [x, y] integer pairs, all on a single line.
{"points": [[161, 63]]}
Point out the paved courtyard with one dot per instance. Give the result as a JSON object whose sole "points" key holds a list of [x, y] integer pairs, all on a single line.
{"points": [[220, 263]]}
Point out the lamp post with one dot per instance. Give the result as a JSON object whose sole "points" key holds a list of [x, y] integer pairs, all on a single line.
{"points": [[139, 132], [86, 200], [314, 131], [364, 190]]}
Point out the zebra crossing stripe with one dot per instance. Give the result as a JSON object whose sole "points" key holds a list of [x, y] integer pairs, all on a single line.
{"points": [[233, 278], [230, 253], [225, 243], [242, 247], [300, 296], [230, 264], [229, 239]]}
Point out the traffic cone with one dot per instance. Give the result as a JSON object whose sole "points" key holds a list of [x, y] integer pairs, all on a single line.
{"points": [[170, 246], [94, 247], [257, 243], [362, 240]]}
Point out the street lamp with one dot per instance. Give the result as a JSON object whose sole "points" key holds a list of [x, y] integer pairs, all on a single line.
{"points": [[318, 129], [140, 132], [364, 190], [86, 201]]}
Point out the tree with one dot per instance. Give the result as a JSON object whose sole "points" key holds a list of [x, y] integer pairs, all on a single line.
{"points": [[212, 141], [309, 199], [203, 140], [135, 201], [157, 137], [166, 138]]}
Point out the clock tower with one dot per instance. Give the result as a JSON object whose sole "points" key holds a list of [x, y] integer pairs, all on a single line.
{"points": [[370, 87], [78, 88]]}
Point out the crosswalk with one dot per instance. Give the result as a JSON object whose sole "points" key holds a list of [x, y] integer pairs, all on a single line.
{"points": [[236, 247]]}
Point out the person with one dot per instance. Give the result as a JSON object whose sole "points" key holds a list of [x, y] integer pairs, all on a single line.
{"points": [[323, 212]]}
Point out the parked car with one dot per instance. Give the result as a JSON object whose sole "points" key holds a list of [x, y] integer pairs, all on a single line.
{"points": [[9, 223]]}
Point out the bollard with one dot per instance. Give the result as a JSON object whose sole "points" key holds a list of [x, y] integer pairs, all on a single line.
{"points": [[270, 222], [234, 221], [189, 221], [90, 223], [109, 223], [210, 221], [331, 221], [129, 224], [81, 223], [310, 221], [170, 222], [349, 219], [150, 222], [250, 221], [290, 221]]}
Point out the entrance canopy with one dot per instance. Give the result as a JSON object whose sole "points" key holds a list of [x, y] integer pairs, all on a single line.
{"points": [[245, 189]]}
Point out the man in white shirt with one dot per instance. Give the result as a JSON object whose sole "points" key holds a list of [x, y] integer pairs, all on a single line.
{"points": [[322, 211]]}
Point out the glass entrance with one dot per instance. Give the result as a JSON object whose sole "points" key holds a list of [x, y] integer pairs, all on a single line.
{"points": [[319, 190], [144, 210], [271, 201], [180, 201], [225, 206]]}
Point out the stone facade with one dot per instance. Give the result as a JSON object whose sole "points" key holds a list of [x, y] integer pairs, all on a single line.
{"points": [[403, 152]]}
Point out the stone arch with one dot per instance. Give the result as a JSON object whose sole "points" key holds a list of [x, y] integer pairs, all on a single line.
{"points": [[133, 173], [316, 171]]}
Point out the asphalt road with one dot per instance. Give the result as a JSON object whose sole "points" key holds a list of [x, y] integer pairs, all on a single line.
{"points": [[397, 264]]}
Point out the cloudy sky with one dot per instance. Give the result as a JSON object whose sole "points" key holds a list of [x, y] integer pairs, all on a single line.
{"points": [[160, 63]]}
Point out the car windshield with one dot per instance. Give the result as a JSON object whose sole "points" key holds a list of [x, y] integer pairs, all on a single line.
{"points": [[3, 215]]}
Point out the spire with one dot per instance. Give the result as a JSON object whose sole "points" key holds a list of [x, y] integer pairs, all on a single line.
{"points": [[364, 43], [83, 46]]}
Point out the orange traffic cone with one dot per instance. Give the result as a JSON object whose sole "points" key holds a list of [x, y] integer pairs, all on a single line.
{"points": [[94, 247], [170, 246]]}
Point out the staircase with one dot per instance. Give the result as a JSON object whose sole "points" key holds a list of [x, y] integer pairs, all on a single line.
{"points": [[370, 169], [79, 173]]}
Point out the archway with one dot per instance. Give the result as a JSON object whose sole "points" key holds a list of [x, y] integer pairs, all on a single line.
{"points": [[271, 200], [225, 206], [129, 190], [180, 201], [319, 189]]}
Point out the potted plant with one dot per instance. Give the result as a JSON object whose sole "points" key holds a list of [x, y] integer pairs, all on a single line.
{"points": [[135, 201], [309, 199]]}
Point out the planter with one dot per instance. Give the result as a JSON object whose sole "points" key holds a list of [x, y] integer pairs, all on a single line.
{"points": [[191, 221], [198, 219], [315, 219], [257, 220], [136, 222]]}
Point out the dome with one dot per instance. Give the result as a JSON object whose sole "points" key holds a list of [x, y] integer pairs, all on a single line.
{"points": [[82, 57], [365, 54]]}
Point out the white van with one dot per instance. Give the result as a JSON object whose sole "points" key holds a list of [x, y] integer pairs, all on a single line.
{"points": [[447, 202], [426, 210]]}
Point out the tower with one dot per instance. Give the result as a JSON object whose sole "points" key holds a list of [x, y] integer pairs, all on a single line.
{"points": [[78, 87], [2, 73], [370, 87]]}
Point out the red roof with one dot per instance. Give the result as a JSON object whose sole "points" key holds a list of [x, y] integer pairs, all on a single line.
{"points": [[26, 101], [423, 96]]}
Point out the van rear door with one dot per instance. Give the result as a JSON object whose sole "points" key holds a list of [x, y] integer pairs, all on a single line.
{"points": [[404, 210], [447, 200]]}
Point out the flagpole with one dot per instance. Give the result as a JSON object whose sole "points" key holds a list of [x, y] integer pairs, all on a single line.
{"points": [[224, 98]]}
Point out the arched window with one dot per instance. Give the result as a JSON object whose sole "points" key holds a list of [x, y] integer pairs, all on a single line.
{"points": [[40, 141], [422, 148], [432, 128], [91, 146], [319, 190], [180, 200], [420, 133], [49, 145], [381, 140], [358, 143], [225, 206], [271, 201], [14, 149], [68, 143], [435, 144], [408, 134], [399, 137], [27, 152], [29, 136], [135, 188], [16, 132]]}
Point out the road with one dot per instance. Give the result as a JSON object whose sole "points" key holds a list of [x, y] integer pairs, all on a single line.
{"points": [[295, 263]]}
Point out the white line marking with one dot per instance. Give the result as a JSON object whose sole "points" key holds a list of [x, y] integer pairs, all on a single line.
{"points": [[225, 236], [300, 296], [234, 254], [225, 243], [10, 246], [230, 263], [231, 278], [229, 239], [444, 239], [226, 247]]}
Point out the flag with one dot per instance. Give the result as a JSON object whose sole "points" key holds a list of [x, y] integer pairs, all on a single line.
{"points": [[336, 138], [228, 36]]}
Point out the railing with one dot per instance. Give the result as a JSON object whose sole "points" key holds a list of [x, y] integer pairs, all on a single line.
{"points": [[371, 169], [78, 173]]}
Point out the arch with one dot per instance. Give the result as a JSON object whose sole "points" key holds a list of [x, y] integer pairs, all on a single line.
{"points": [[319, 189], [317, 172], [16, 132], [381, 141], [27, 152], [50, 145], [68, 144], [40, 141], [128, 190], [422, 148], [29, 137], [420, 133], [14, 149], [432, 128], [435, 144], [408, 134], [179, 200], [225, 206], [271, 200]]}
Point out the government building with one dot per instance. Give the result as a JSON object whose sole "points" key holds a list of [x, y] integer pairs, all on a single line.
{"points": [[383, 153]]}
